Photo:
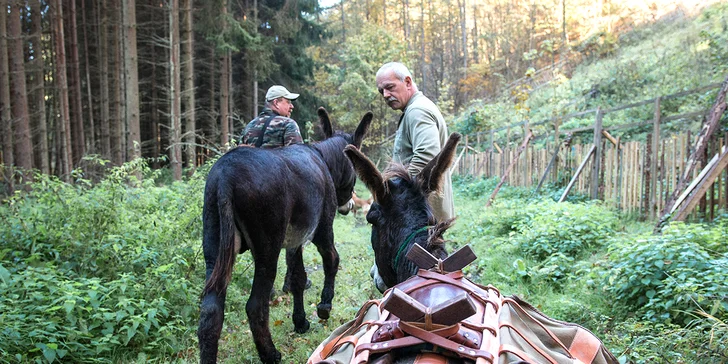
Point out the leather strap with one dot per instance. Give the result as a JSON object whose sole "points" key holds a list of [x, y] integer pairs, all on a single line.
{"points": [[551, 334], [440, 341], [477, 294], [337, 344], [346, 337], [585, 346], [505, 348], [530, 343], [389, 345]]}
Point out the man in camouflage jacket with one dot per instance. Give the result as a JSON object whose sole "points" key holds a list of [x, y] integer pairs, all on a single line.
{"points": [[281, 130]]}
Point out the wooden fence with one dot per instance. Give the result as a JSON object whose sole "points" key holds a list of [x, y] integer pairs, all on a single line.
{"points": [[634, 176]]}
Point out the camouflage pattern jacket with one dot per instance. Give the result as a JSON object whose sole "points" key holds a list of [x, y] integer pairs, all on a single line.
{"points": [[281, 131]]}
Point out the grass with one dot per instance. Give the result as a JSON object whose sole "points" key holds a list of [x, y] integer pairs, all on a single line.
{"points": [[495, 265]]}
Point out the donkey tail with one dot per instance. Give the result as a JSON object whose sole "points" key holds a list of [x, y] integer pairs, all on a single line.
{"points": [[221, 274]]}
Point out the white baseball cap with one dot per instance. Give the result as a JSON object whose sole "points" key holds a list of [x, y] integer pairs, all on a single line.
{"points": [[277, 91]]}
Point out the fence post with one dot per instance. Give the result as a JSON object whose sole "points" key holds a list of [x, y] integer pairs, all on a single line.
{"points": [[596, 163], [557, 144], [492, 151], [654, 159]]}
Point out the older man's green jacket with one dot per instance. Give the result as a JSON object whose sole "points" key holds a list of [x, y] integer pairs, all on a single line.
{"points": [[421, 134]]}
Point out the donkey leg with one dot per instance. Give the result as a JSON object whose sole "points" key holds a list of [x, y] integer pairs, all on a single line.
{"points": [[258, 307], [294, 257], [212, 306], [290, 254], [212, 313], [324, 241]]}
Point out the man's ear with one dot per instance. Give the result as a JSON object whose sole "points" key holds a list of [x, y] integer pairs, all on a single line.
{"points": [[408, 81]]}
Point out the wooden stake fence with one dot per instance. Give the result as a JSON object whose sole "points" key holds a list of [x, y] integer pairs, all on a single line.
{"points": [[634, 176]]}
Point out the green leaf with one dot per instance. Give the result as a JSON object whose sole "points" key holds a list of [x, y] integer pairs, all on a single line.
{"points": [[4, 275], [651, 293]]}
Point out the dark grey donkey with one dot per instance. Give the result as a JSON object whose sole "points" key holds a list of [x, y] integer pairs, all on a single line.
{"points": [[266, 200]]}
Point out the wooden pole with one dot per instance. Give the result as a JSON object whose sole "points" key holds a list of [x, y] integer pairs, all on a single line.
{"points": [[654, 159], [567, 141], [578, 172], [713, 171], [523, 146], [597, 165], [710, 125]]}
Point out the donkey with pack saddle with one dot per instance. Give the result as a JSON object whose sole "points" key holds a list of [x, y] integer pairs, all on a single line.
{"points": [[265, 200], [433, 314]]}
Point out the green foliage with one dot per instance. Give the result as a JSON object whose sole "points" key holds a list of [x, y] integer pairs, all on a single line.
{"points": [[642, 342], [716, 36], [551, 229], [668, 277], [346, 82], [94, 271]]}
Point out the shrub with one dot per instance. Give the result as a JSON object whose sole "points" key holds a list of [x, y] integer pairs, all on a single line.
{"points": [[570, 229], [94, 271], [669, 276]]}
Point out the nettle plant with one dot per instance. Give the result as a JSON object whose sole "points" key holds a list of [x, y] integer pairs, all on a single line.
{"points": [[99, 270], [564, 228], [673, 276]]}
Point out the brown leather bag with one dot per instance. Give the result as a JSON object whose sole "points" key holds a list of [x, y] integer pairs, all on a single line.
{"points": [[502, 330]]}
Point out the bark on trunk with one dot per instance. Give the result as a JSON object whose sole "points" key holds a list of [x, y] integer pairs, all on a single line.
{"points": [[174, 90], [103, 56], [224, 98], [91, 130], [19, 109], [116, 106], [131, 86], [78, 145], [64, 124], [188, 97], [40, 137], [6, 118]]}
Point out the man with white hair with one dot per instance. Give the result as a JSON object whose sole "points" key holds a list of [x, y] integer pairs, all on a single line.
{"points": [[421, 134]]}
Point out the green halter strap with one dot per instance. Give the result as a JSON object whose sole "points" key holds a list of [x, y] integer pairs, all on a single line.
{"points": [[406, 243]]}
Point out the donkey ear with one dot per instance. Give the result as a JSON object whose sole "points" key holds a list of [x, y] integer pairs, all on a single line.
{"points": [[431, 175], [325, 122], [367, 172], [362, 128]]}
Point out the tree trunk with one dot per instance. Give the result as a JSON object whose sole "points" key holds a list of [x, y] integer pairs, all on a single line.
{"points": [[91, 130], [476, 36], [131, 74], [224, 96], [156, 149], [78, 145], [189, 82], [405, 22], [40, 137], [255, 72], [116, 106], [464, 34], [6, 118], [343, 23], [174, 91], [64, 124], [19, 109], [103, 56], [423, 76]]}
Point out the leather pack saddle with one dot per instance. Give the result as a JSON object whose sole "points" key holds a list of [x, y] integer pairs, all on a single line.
{"points": [[439, 316]]}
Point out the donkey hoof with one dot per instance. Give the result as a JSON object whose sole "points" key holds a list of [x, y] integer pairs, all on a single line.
{"points": [[302, 328], [273, 357], [323, 310]]}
